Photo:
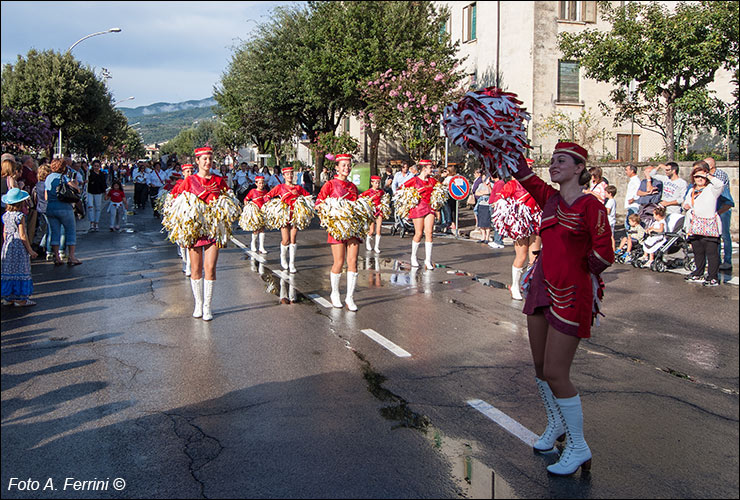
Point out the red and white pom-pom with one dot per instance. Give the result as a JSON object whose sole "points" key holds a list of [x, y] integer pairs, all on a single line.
{"points": [[515, 220], [491, 124]]}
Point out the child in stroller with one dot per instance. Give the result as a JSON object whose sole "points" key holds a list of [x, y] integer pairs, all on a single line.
{"points": [[656, 237], [629, 248], [675, 251], [402, 225]]}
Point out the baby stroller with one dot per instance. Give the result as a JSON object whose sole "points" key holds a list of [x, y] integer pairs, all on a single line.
{"points": [[401, 225], [676, 250]]}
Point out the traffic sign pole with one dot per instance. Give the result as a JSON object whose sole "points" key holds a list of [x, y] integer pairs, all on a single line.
{"points": [[459, 188]]}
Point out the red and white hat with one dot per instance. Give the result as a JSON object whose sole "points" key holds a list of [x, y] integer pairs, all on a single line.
{"points": [[187, 166], [338, 158], [573, 149], [424, 163], [175, 175], [287, 169], [207, 150], [374, 177], [259, 177]]}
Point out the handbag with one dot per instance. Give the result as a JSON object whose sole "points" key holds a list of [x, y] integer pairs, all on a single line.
{"points": [[66, 193], [702, 226]]}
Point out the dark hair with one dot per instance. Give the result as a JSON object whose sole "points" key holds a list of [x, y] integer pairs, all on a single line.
{"points": [[611, 189], [116, 181], [632, 168], [659, 210], [673, 165], [702, 164], [596, 172], [585, 176]]}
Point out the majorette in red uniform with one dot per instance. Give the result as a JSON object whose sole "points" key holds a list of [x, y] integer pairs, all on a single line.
{"points": [[207, 187], [565, 290], [287, 192], [257, 196], [422, 214], [187, 170], [376, 195], [341, 188], [516, 215]]}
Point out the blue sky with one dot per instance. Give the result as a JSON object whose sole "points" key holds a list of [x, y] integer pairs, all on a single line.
{"points": [[166, 51]]}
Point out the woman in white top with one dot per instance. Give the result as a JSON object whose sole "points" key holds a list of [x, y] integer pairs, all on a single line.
{"points": [[705, 226]]}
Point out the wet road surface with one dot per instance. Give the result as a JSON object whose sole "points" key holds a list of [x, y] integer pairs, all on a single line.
{"points": [[110, 377]]}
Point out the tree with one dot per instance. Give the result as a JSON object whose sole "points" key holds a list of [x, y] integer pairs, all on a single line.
{"points": [[672, 57], [584, 130], [329, 143], [408, 104], [69, 95]]}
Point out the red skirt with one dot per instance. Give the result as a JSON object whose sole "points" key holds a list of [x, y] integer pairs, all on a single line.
{"points": [[331, 240], [203, 241], [422, 209]]}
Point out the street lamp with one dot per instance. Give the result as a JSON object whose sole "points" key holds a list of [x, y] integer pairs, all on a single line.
{"points": [[111, 30], [122, 100]]}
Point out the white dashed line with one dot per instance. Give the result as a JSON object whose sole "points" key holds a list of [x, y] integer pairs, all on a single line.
{"points": [[320, 300], [398, 351], [505, 421]]}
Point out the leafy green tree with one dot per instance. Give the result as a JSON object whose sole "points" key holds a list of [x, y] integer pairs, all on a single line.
{"points": [[57, 85], [672, 57]]}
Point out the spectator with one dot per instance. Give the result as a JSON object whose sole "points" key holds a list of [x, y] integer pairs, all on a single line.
{"points": [[61, 214], [477, 180], [635, 233], [323, 177], [497, 188], [117, 203], [43, 238], [597, 184], [483, 208], [630, 197], [704, 223], [649, 194], [724, 208], [275, 179], [140, 187], [611, 208], [674, 189], [387, 180], [449, 209], [401, 177], [155, 180], [656, 238], [242, 181], [307, 180], [96, 187], [17, 253]]}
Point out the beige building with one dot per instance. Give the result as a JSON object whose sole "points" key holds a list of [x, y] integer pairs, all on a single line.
{"points": [[520, 40]]}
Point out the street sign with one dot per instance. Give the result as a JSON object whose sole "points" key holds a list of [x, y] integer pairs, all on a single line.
{"points": [[459, 188]]}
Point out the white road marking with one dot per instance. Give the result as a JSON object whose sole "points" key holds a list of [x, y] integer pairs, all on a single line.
{"points": [[398, 351], [505, 421], [281, 274], [254, 255], [320, 300], [238, 243]]}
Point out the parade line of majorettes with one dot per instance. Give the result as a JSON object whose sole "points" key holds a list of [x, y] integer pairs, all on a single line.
{"points": [[563, 285]]}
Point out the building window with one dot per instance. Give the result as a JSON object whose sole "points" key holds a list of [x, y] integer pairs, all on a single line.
{"points": [[469, 21], [568, 81], [623, 147], [345, 125], [584, 12]]}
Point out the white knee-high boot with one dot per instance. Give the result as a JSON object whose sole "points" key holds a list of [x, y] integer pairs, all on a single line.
{"points": [[292, 247], [414, 248], [428, 259], [208, 295], [253, 245], [187, 263], [516, 276], [577, 453], [284, 256], [262, 243], [377, 243], [555, 430], [368, 244], [351, 282], [197, 286], [336, 299]]}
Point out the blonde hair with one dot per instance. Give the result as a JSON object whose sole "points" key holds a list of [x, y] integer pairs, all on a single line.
{"points": [[43, 172], [9, 168]]}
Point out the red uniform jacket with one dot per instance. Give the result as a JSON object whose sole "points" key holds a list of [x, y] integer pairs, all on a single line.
{"points": [[336, 188], [258, 197], [375, 195], [425, 190], [205, 189], [576, 248], [287, 193]]}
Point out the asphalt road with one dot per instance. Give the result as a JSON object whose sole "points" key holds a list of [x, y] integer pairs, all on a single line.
{"points": [[109, 377]]}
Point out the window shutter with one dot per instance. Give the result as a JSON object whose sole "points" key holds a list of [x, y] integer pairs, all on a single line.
{"points": [[474, 9], [589, 11], [568, 81]]}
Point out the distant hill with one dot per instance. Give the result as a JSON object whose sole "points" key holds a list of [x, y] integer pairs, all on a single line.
{"points": [[161, 121]]}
